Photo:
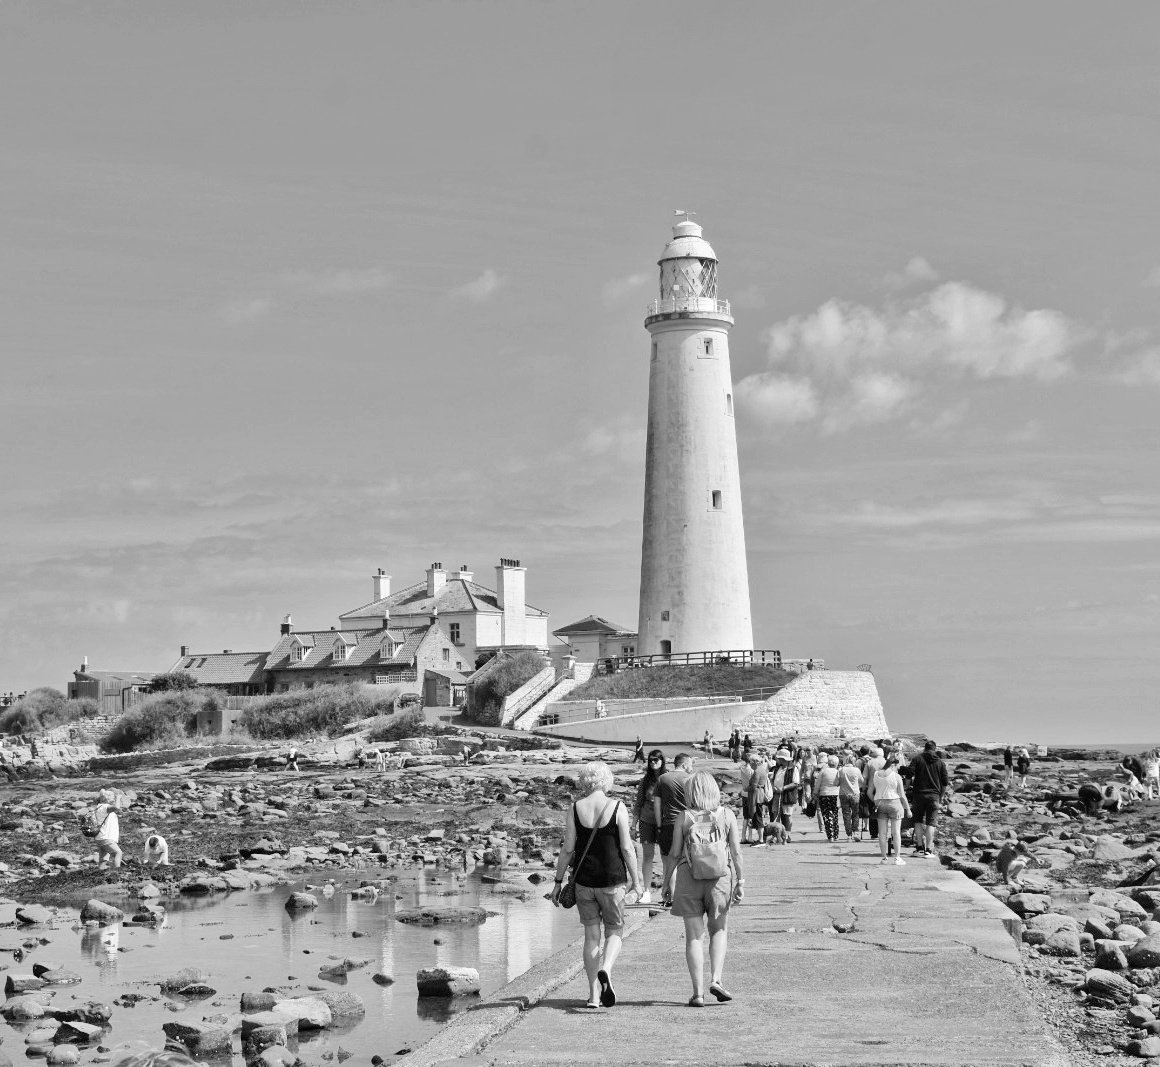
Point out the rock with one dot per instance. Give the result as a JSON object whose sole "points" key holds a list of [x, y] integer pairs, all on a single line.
{"points": [[447, 981], [1124, 906], [185, 977], [60, 976], [99, 912], [32, 914], [258, 1001], [76, 1033], [1062, 943], [1108, 848], [974, 871], [201, 1039], [1100, 929], [64, 1056], [269, 1018], [1029, 903], [1145, 953], [276, 1056], [382, 979], [1138, 1015], [434, 915], [1108, 986], [195, 990], [342, 1005], [301, 902], [1128, 932], [93, 1012], [342, 966], [1145, 1047], [312, 1013], [22, 983]]}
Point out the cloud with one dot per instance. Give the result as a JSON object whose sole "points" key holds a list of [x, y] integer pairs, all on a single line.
{"points": [[242, 311], [850, 364], [778, 399], [1152, 278], [483, 288], [917, 271], [1143, 368], [341, 281], [618, 288]]}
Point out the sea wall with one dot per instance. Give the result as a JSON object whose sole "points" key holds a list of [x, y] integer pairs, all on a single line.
{"points": [[678, 726], [821, 703]]}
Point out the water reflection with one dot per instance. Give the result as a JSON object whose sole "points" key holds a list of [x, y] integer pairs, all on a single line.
{"points": [[100, 944]]}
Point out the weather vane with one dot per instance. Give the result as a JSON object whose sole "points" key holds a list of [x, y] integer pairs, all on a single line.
{"points": [[688, 214]]}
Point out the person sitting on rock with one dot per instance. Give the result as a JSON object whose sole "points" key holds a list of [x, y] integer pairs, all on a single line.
{"points": [[156, 852]]}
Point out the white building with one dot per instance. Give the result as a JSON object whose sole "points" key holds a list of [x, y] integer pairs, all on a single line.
{"points": [[694, 580], [478, 620]]}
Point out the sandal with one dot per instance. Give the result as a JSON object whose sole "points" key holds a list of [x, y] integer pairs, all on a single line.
{"points": [[696, 1001], [607, 993], [720, 992], [592, 1004]]}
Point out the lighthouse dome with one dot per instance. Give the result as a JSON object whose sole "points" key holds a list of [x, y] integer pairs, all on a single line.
{"points": [[687, 243]]}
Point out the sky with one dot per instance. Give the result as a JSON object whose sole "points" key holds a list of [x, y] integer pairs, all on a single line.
{"points": [[291, 292]]}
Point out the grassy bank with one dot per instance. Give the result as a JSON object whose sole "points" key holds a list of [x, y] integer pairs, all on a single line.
{"points": [[658, 682]]}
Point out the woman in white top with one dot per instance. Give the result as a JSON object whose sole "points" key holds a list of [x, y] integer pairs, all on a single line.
{"points": [[827, 789], [849, 793], [108, 828], [889, 798]]}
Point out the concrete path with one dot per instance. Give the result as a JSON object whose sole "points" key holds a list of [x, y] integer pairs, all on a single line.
{"points": [[924, 972]]}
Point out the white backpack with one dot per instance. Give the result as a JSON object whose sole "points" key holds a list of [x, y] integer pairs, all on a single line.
{"points": [[705, 846]]}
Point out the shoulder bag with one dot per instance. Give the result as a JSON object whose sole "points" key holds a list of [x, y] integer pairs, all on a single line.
{"points": [[568, 890]]}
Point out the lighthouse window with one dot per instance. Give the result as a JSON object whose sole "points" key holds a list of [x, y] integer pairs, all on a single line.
{"points": [[708, 343], [664, 616], [654, 352], [728, 403], [716, 499]]}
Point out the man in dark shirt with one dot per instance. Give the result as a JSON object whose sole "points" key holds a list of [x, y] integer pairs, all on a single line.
{"points": [[932, 783], [669, 802]]}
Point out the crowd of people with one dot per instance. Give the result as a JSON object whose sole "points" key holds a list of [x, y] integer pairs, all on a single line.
{"points": [[608, 858]]}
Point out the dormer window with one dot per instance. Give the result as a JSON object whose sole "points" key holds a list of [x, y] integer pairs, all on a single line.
{"points": [[298, 653], [339, 652]]}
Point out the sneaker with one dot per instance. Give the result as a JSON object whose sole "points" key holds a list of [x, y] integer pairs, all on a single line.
{"points": [[885, 859], [645, 898], [900, 862]]}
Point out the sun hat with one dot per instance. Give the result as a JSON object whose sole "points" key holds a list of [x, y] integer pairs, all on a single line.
{"points": [[782, 753]]}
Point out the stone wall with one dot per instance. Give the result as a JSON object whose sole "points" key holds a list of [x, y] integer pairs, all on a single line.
{"points": [[675, 726], [821, 703], [576, 710]]}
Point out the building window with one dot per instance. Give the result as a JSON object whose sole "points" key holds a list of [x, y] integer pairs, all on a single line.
{"points": [[708, 343], [339, 652], [298, 653], [627, 650], [728, 403], [716, 499], [654, 351], [447, 655], [664, 616], [454, 629]]}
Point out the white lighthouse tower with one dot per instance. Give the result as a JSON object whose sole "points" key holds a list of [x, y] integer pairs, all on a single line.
{"points": [[694, 581]]}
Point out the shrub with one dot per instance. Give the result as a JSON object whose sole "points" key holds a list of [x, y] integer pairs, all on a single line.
{"points": [[324, 710], [42, 709], [506, 676], [160, 720], [174, 681]]}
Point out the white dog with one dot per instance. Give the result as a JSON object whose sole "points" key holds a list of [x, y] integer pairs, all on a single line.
{"points": [[156, 852]]}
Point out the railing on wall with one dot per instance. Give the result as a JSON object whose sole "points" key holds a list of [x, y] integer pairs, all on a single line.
{"points": [[750, 657]]}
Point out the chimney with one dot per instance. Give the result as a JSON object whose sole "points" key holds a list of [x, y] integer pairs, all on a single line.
{"points": [[386, 620], [85, 662], [226, 651], [509, 592], [463, 574], [286, 623], [184, 651], [436, 579], [382, 585]]}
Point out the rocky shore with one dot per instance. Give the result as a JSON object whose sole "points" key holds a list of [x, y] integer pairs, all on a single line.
{"points": [[1090, 903]]}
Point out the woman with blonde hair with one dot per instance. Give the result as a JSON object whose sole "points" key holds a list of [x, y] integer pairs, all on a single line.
{"points": [[706, 881], [598, 845]]}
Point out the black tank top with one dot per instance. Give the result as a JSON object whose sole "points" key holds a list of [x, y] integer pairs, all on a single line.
{"points": [[603, 865]]}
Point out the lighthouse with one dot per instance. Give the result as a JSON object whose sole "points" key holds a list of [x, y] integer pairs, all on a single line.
{"points": [[694, 581]]}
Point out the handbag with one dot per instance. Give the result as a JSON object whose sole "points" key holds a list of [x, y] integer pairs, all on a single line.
{"points": [[567, 896]]}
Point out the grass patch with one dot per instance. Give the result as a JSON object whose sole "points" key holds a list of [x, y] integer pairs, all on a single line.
{"points": [[161, 720], [719, 679], [322, 711], [404, 724], [505, 675]]}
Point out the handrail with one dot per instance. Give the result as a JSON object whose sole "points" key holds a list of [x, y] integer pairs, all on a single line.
{"points": [[688, 303], [767, 657]]}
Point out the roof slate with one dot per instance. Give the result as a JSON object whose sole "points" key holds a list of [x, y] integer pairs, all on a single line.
{"points": [[593, 624], [366, 652], [224, 668], [457, 595]]}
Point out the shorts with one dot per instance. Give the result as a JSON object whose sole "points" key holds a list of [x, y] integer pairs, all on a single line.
{"points": [[601, 904], [926, 808], [648, 833], [694, 897], [889, 809], [665, 837]]}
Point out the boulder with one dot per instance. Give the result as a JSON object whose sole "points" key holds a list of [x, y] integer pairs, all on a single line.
{"points": [[201, 1039], [1110, 849], [1128, 932], [22, 983], [276, 1056], [255, 1001], [447, 981], [1027, 904], [185, 977], [342, 1005], [341, 967], [93, 1012], [301, 902], [435, 915], [311, 1013], [99, 912], [63, 1056], [76, 1033], [1144, 1047], [1108, 986], [1146, 952], [32, 914], [1123, 905]]}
